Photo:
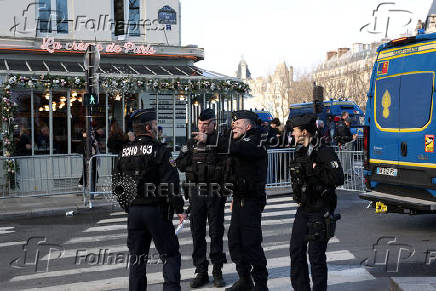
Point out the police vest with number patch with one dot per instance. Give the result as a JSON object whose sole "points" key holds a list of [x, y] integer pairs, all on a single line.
{"points": [[138, 161]]}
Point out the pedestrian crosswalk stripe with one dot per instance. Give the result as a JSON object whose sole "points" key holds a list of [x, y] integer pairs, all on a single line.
{"points": [[12, 243], [73, 252], [118, 213], [277, 221], [96, 238], [271, 214], [349, 276], [335, 277], [264, 214], [102, 267], [112, 220], [226, 210], [6, 229], [106, 228], [279, 199]]}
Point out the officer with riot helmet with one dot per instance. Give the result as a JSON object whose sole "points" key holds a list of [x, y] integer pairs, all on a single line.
{"points": [[315, 173], [203, 160], [150, 167], [249, 170]]}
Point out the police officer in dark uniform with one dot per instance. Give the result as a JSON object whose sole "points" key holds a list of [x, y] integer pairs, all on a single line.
{"points": [[315, 173], [249, 169], [152, 168], [203, 160]]}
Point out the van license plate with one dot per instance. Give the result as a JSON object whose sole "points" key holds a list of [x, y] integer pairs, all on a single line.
{"points": [[387, 171]]}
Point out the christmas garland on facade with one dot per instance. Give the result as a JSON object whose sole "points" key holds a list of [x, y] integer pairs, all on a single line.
{"points": [[8, 109], [110, 85], [126, 84]]}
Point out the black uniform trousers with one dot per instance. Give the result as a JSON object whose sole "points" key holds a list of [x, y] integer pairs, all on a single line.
{"points": [[245, 239], [298, 250], [211, 208], [144, 224]]}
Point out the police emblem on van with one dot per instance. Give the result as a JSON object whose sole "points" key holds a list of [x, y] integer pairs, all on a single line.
{"points": [[386, 103]]}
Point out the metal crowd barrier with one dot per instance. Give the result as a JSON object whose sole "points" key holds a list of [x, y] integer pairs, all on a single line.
{"points": [[43, 175], [277, 176], [352, 164], [60, 174], [278, 168]]}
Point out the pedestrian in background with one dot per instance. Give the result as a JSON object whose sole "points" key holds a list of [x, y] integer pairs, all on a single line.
{"points": [[117, 139]]}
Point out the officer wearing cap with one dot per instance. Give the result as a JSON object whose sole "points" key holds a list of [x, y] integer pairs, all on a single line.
{"points": [[150, 165], [249, 169], [203, 161], [315, 173]]}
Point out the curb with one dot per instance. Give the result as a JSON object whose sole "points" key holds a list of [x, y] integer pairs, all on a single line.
{"points": [[58, 211]]}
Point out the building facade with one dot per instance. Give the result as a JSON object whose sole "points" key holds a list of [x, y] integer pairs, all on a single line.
{"points": [[271, 93], [346, 72], [142, 65]]}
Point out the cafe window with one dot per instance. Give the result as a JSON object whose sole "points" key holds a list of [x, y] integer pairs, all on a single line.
{"points": [[23, 121], [41, 123], [78, 123], [60, 133]]}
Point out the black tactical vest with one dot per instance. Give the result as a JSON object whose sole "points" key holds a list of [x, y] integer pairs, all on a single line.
{"points": [[139, 160]]}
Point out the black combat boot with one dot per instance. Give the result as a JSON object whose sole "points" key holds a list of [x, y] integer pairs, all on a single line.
{"points": [[200, 280], [218, 280], [244, 283]]}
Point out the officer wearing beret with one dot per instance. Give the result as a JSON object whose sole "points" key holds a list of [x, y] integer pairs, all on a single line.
{"points": [[315, 173], [150, 165], [249, 169], [203, 161]]}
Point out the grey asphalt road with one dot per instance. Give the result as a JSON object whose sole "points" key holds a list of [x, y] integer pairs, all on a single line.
{"points": [[368, 250]]}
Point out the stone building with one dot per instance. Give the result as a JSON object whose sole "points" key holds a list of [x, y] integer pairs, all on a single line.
{"points": [[271, 93], [346, 72]]}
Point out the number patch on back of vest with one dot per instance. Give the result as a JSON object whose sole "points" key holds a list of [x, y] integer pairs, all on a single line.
{"points": [[137, 151]]}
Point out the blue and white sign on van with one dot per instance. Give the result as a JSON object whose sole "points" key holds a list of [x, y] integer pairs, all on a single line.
{"points": [[167, 15]]}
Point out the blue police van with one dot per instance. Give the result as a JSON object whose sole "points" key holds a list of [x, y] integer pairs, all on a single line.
{"points": [[333, 108], [399, 150], [263, 115]]}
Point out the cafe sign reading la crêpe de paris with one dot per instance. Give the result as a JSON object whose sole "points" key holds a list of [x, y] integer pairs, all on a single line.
{"points": [[51, 45]]}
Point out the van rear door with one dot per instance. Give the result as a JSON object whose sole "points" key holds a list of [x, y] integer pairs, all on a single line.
{"points": [[384, 134], [416, 136]]}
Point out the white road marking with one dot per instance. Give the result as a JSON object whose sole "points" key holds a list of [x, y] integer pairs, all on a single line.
{"points": [[12, 243]]}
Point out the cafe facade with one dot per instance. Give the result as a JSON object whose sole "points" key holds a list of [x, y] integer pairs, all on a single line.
{"points": [[43, 84]]}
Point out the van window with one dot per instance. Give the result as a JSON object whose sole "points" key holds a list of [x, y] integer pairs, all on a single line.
{"points": [[387, 93], [357, 120], [415, 99], [299, 110]]}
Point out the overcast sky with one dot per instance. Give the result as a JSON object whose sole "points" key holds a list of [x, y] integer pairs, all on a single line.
{"points": [[267, 32]]}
